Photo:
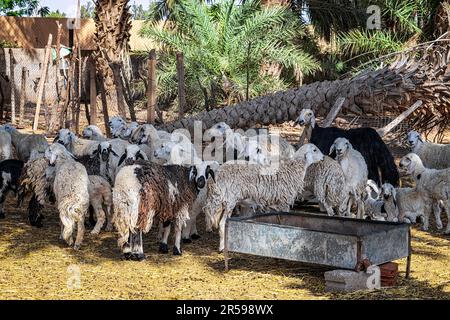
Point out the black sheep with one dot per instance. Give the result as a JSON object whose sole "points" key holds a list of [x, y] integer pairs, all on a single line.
{"points": [[380, 162], [10, 171]]}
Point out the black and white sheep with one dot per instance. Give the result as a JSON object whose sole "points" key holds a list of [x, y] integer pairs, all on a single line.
{"points": [[145, 192], [380, 162], [10, 171]]}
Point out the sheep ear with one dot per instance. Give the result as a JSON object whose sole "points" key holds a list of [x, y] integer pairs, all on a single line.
{"points": [[139, 156], [56, 138], [71, 137], [332, 149], [309, 157], [211, 172], [115, 153], [313, 121], [122, 159], [420, 139]]}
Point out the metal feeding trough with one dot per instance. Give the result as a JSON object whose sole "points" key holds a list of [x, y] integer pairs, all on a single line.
{"points": [[342, 243]]}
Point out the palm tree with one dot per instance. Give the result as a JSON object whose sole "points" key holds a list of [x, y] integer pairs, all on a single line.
{"points": [[113, 24], [413, 75], [229, 50]]}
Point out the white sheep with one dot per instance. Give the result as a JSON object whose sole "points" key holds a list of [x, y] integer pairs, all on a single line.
{"points": [[92, 132], [26, 144], [355, 170], [432, 183], [326, 181], [433, 155], [406, 205], [71, 191], [265, 186]]}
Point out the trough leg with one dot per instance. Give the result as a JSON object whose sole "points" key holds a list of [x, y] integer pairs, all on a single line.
{"points": [[225, 249], [408, 259]]}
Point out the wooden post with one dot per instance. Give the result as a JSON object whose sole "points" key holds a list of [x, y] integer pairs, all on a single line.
{"points": [[56, 104], [248, 72], [383, 131], [42, 81], [333, 112], [93, 93], [151, 87], [181, 89], [104, 104], [23, 95], [13, 86]]}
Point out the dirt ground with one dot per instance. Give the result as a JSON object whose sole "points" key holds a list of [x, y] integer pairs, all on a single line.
{"points": [[35, 264]]}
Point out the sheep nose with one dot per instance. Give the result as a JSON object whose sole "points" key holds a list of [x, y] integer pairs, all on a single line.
{"points": [[60, 142], [213, 139], [386, 196]]}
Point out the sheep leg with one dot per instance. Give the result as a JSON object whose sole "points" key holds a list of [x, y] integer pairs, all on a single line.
{"points": [[426, 220], [101, 217], [177, 247], [328, 208], [67, 229], [194, 233], [160, 232], [447, 211], [109, 218], [137, 249], [222, 222], [163, 247], [437, 214], [80, 233]]}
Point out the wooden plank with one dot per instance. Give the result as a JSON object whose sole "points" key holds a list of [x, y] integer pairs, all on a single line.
{"points": [[42, 81], [383, 131], [181, 87], [151, 87], [333, 112], [23, 95], [13, 86], [93, 93]]}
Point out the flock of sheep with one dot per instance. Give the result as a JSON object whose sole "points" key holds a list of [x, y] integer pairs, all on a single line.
{"points": [[144, 176]]}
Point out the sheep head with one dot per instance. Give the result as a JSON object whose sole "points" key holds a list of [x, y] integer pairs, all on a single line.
{"points": [[90, 131], [65, 137], [306, 118], [56, 152], [201, 172], [219, 129], [132, 154], [411, 164], [414, 139], [309, 153], [341, 146], [254, 153]]}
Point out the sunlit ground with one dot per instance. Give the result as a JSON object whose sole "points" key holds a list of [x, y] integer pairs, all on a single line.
{"points": [[34, 264]]}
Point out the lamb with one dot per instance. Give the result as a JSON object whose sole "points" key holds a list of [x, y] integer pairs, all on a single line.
{"points": [[169, 152], [265, 186], [355, 170], [26, 144], [326, 181], [406, 205], [144, 192], [380, 162], [200, 174], [100, 199], [5, 144], [10, 171], [71, 192], [92, 132], [374, 206], [432, 183], [433, 155]]}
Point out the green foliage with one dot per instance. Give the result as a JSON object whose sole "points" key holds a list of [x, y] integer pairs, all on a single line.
{"points": [[222, 42], [22, 8], [56, 14], [87, 11]]}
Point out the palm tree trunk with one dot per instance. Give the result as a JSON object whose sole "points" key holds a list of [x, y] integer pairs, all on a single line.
{"points": [[113, 25], [392, 88]]}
